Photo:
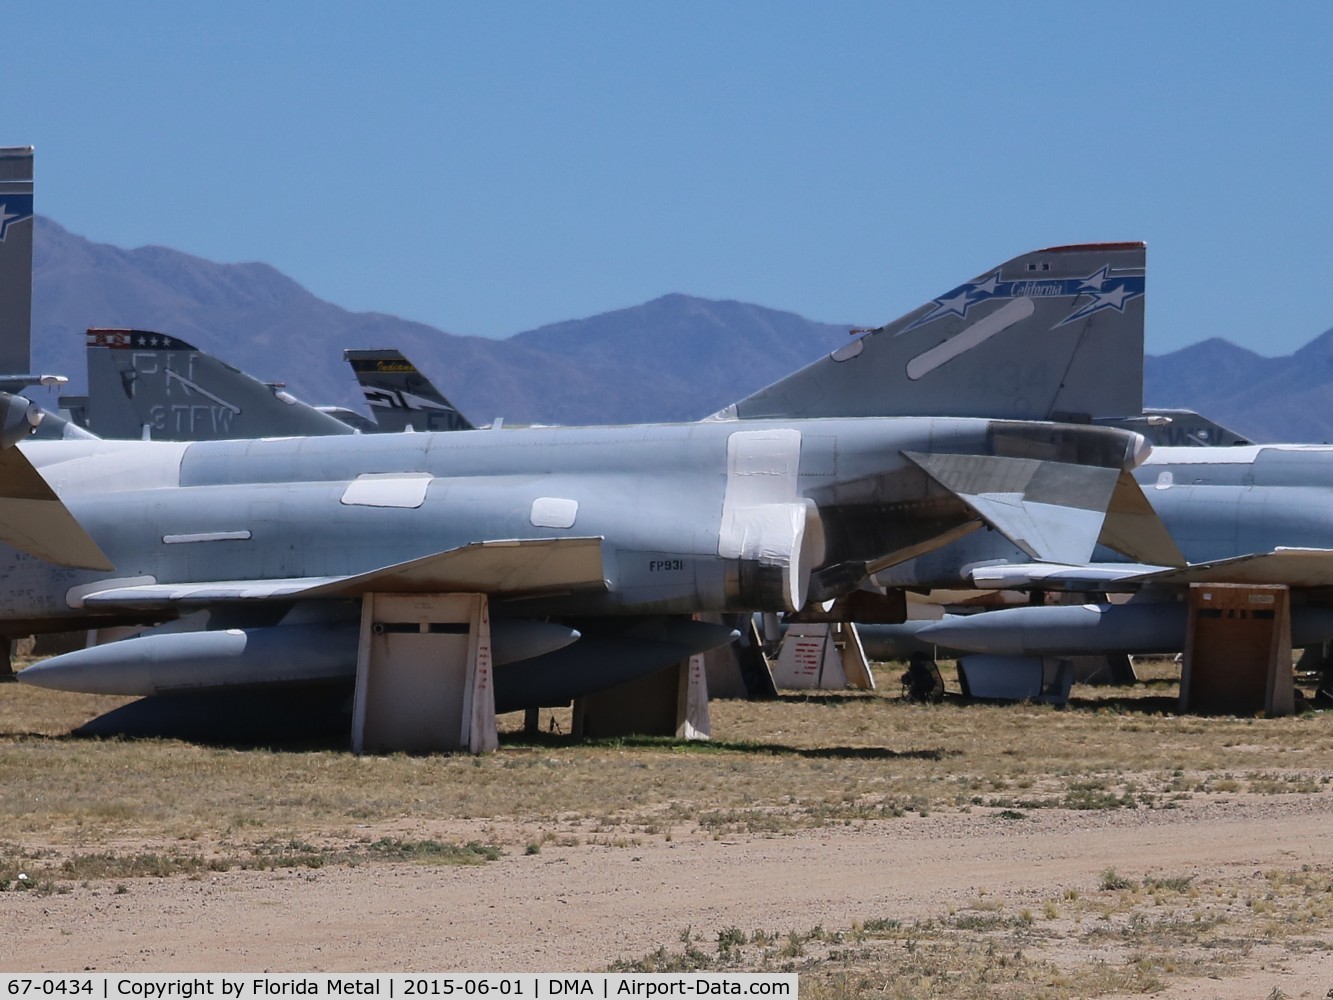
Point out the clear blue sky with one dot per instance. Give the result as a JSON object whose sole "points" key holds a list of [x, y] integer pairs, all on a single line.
{"points": [[490, 167]]}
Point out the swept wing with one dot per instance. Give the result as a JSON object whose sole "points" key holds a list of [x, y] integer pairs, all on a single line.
{"points": [[503, 569]]}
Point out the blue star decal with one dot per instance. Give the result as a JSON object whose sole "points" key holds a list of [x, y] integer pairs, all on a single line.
{"points": [[963, 298], [14, 208], [1107, 291]]}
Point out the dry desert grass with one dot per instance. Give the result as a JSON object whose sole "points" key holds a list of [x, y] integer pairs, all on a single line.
{"points": [[797, 762]]}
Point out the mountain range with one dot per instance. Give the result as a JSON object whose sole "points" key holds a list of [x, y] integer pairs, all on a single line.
{"points": [[1288, 398], [675, 358]]}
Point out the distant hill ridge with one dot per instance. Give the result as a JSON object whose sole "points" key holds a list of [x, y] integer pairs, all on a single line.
{"points": [[674, 358], [1287, 398]]}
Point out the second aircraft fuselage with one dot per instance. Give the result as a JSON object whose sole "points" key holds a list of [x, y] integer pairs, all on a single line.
{"points": [[1216, 503]]}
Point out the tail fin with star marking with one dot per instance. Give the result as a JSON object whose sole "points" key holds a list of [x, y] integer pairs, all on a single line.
{"points": [[1055, 334]]}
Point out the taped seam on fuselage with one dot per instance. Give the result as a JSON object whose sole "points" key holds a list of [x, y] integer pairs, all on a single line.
{"points": [[762, 471]]}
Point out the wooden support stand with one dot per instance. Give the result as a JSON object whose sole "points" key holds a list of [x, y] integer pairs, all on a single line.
{"points": [[423, 677], [671, 702], [739, 669], [1238, 651], [827, 656]]}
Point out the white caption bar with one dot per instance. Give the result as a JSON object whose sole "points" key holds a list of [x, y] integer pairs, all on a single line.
{"points": [[395, 986]]}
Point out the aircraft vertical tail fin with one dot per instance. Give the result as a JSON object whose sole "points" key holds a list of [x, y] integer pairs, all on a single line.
{"points": [[16, 223], [1175, 428], [138, 379], [401, 397], [1050, 335]]}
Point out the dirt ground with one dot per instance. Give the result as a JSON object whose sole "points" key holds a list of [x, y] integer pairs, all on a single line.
{"points": [[581, 908], [906, 818]]}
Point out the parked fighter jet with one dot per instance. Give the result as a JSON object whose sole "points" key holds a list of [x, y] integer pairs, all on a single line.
{"points": [[587, 540], [400, 397]]}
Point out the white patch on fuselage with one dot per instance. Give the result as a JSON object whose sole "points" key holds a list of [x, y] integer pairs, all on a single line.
{"points": [[394, 489], [207, 536], [554, 512]]}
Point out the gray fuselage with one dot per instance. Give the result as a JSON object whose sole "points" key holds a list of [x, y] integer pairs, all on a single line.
{"points": [[704, 516]]}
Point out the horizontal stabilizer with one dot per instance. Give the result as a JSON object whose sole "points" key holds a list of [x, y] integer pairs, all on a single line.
{"points": [[1290, 567], [505, 568], [33, 519], [1051, 510]]}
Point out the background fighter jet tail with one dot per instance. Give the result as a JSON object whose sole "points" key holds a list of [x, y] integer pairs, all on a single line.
{"points": [[400, 397], [1175, 428], [138, 379], [1055, 334], [15, 260]]}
